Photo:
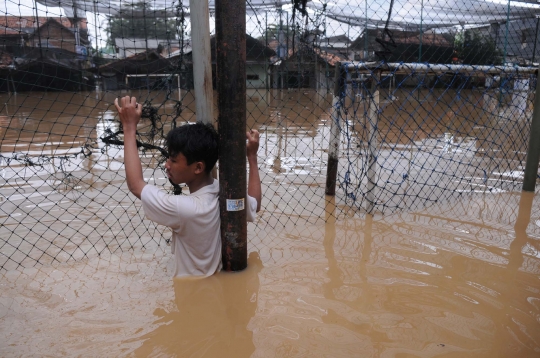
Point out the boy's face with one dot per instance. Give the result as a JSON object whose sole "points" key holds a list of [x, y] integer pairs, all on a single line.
{"points": [[179, 171]]}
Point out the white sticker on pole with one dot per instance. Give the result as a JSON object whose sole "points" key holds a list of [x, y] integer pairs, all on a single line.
{"points": [[235, 204]]}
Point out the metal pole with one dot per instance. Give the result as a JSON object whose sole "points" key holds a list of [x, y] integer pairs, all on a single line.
{"points": [[146, 46], [506, 34], [535, 39], [421, 31], [76, 25], [366, 50], [179, 87], [95, 25], [202, 65], [285, 63], [335, 132], [38, 32], [349, 42], [7, 84], [395, 67], [524, 217], [373, 142], [231, 86], [145, 33], [280, 47], [533, 151], [266, 77]]}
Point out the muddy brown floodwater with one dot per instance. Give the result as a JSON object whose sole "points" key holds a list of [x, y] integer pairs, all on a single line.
{"points": [[456, 279]]}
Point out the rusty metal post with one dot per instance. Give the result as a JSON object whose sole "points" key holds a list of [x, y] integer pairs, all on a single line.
{"points": [[231, 88], [335, 129], [533, 151]]}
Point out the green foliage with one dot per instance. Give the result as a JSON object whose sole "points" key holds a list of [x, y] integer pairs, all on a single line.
{"points": [[273, 30], [140, 23], [475, 48]]}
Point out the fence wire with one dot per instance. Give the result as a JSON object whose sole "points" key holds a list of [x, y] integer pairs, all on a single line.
{"points": [[408, 136], [414, 134]]}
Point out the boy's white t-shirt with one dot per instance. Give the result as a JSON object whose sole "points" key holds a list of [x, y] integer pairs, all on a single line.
{"points": [[195, 223]]}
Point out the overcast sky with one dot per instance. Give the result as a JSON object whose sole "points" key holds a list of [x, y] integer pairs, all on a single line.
{"points": [[428, 12]]}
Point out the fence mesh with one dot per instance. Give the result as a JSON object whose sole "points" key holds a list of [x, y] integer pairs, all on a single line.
{"points": [[415, 134], [436, 103]]}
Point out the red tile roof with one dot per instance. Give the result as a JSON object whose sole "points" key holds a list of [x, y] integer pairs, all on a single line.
{"points": [[331, 58], [15, 23]]}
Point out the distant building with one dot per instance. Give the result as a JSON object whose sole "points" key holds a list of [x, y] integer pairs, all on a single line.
{"points": [[147, 70], [33, 47], [518, 42], [127, 47], [258, 60], [404, 46], [311, 63], [50, 32], [339, 45], [308, 67]]}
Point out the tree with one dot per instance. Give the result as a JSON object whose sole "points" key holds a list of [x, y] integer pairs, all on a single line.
{"points": [[141, 23], [474, 48], [273, 31]]}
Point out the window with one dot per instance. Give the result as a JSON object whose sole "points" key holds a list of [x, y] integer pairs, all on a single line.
{"points": [[252, 77]]}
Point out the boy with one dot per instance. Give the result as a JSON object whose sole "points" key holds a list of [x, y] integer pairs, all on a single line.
{"points": [[194, 218]]}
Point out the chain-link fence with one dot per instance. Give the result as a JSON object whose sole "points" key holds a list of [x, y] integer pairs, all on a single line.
{"points": [[433, 100], [416, 134]]}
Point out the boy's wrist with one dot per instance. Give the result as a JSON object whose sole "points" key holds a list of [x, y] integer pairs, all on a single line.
{"points": [[130, 130]]}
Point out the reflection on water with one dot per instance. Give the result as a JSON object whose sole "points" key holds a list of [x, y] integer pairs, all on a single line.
{"points": [[457, 280], [211, 317]]}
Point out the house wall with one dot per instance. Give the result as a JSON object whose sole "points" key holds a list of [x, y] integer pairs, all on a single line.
{"points": [[11, 41], [324, 77], [55, 36], [256, 76], [518, 40], [109, 83]]}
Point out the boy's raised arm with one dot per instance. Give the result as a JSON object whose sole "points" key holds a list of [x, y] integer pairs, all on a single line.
{"points": [[254, 181], [129, 112]]}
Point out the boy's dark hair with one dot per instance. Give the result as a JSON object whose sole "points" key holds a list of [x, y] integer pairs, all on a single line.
{"points": [[197, 142]]}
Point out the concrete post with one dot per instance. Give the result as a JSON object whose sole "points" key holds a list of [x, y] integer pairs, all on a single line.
{"points": [[202, 61], [335, 130]]}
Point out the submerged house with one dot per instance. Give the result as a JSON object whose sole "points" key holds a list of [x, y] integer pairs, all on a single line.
{"points": [[43, 54], [405, 46], [258, 60], [311, 64], [147, 70], [309, 67], [339, 45], [365, 46], [517, 40], [55, 35], [127, 47], [423, 47], [45, 70], [54, 32]]}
